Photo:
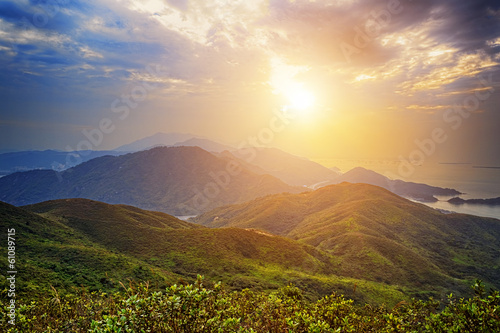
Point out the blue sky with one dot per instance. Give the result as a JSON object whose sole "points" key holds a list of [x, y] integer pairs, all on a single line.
{"points": [[383, 74]]}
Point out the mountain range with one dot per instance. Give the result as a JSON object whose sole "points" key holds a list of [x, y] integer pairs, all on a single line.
{"points": [[376, 235], [16, 161], [260, 218], [415, 191], [205, 144], [48, 159], [78, 243], [87, 225], [357, 239], [176, 180], [291, 169], [158, 139], [195, 181], [487, 202]]}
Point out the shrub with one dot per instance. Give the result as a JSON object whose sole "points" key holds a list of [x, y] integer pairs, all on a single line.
{"points": [[195, 308]]}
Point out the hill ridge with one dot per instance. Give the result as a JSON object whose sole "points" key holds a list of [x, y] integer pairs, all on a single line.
{"points": [[59, 252], [176, 180], [376, 233]]}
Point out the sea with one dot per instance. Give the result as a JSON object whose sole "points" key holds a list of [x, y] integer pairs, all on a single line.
{"points": [[474, 181]]}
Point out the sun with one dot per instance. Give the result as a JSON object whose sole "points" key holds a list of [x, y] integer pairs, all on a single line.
{"points": [[286, 83], [298, 100], [301, 100]]}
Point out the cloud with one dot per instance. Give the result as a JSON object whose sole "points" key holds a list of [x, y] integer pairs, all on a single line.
{"points": [[76, 57], [469, 25], [201, 41], [179, 4], [11, 12]]}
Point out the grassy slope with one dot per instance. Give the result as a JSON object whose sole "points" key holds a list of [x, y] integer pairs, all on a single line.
{"points": [[377, 235], [117, 227], [82, 242], [48, 252]]}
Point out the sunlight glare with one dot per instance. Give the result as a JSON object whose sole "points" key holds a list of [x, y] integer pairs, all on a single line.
{"points": [[283, 80], [301, 100]]}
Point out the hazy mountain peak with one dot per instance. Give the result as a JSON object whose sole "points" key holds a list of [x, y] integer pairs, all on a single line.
{"points": [[157, 139], [206, 144], [291, 169], [420, 192], [361, 171]]}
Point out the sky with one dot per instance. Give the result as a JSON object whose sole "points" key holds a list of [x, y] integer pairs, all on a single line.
{"points": [[368, 79]]}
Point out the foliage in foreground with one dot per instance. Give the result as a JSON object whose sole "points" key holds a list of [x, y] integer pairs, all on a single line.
{"points": [[194, 308]]}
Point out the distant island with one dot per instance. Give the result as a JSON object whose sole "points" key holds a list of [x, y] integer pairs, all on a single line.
{"points": [[488, 202], [485, 167], [415, 191]]}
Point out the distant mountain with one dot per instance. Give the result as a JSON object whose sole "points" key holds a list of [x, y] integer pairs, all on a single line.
{"points": [[289, 168], [47, 159], [487, 202], [205, 144], [3, 151], [176, 180], [416, 191], [80, 243], [17, 161], [377, 235], [158, 139], [336, 170]]}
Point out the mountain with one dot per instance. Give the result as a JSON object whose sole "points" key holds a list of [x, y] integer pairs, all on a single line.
{"points": [[54, 254], [487, 202], [175, 180], [82, 243], [416, 191], [204, 144], [47, 159], [114, 226], [377, 235], [17, 161], [158, 139], [146, 234], [3, 151], [291, 169]]}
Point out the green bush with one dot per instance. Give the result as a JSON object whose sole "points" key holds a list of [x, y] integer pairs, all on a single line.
{"points": [[195, 308]]}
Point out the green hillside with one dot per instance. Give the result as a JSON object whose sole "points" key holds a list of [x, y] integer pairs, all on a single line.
{"points": [[50, 253], [377, 235], [117, 227], [83, 243]]}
